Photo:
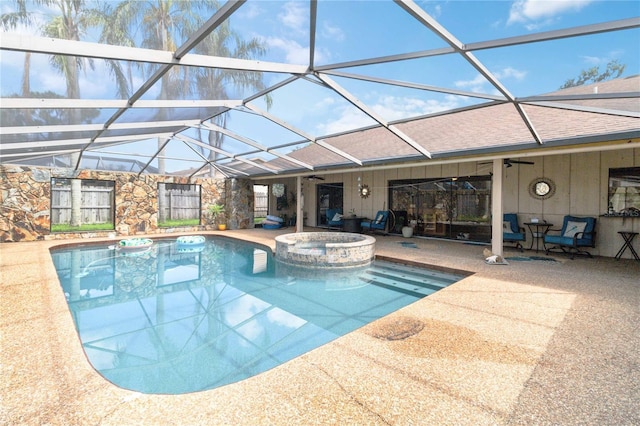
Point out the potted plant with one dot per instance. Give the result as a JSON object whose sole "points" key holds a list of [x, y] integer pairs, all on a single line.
{"points": [[217, 215]]}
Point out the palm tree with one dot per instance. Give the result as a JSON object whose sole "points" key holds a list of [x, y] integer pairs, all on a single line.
{"points": [[163, 25], [213, 83], [74, 20], [9, 21]]}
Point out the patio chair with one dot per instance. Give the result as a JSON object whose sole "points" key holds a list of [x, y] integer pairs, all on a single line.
{"points": [[512, 232], [334, 218], [378, 224], [576, 232]]}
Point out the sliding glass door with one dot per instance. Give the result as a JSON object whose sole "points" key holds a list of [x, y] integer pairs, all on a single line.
{"points": [[330, 196], [457, 208]]}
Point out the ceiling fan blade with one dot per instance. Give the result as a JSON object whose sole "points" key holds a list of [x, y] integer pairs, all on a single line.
{"points": [[315, 177], [509, 162]]}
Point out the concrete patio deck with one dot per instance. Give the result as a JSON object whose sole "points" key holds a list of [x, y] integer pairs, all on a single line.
{"points": [[533, 342]]}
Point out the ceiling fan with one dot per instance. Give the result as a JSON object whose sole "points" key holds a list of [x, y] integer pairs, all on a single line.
{"points": [[314, 177], [508, 162]]}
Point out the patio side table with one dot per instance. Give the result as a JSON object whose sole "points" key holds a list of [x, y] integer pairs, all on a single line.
{"points": [[628, 238], [541, 228], [352, 223]]}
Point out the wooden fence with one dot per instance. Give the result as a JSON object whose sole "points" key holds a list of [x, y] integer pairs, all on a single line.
{"points": [[261, 205], [473, 204], [179, 204], [96, 204]]}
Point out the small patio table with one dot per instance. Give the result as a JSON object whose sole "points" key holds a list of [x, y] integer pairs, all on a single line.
{"points": [[541, 228], [628, 238], [352, 223]]}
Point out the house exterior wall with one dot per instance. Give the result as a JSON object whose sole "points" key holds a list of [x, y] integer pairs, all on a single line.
{"points": [[25, 202], [581, 189], [581, 180]]}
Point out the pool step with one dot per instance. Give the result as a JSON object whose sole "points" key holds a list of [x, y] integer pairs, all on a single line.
{"points": [[407, 280]]}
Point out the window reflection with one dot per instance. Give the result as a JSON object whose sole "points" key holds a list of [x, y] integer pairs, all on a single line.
{"points": [[624, 191], [457, 208]]}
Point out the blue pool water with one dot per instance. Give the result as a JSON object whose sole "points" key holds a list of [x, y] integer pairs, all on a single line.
{"points": [[175, 320]]}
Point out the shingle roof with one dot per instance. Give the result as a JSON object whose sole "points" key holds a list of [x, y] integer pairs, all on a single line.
{"points": [[494, 127]]}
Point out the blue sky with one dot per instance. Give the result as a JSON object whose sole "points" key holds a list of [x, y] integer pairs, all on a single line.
{"points": [[353, 30]]}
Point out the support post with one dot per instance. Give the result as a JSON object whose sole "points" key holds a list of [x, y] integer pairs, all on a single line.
{"points": [[299, 205], [496, 207]]}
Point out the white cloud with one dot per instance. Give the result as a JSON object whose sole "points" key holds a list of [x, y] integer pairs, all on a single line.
{"points": [[474, 85], [250, 10], [53, 81], [601, 60], [294, 16], [592, 60], [511, 73], [92, 82], [390, 108], [325, 103], [535, 13], [349, 118], [396, 108], [480, 85], [293, 51], [331, 32]]}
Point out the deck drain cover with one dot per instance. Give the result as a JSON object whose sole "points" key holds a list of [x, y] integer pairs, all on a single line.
{"points": [[398, 328]]}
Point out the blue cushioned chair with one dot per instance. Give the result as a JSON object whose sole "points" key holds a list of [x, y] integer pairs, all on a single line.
{"points": [[576, 232], [331, 214], [511, 230], [379, 223]]}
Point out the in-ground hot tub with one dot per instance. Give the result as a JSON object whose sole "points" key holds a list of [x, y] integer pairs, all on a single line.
{"points": [[325, 249]]}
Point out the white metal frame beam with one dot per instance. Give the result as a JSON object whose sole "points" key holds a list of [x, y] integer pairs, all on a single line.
{"points": [[54, 46], [115, 104], [302, 133], [187, 139], [426, 20], [63, 128], [245, 140], [318, 75], [368, 111]]}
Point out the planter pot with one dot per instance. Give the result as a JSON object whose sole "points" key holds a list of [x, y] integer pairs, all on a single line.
{"points": [[407, 231], [222, 227]]}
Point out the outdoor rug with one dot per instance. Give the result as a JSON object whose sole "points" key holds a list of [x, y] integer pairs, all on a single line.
{"points": [[408, 244], [530, 258]]}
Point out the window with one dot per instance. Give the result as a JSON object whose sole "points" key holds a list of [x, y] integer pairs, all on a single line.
{"points": [[178, 205], [457, 208], [82, 205], [624, 191]]}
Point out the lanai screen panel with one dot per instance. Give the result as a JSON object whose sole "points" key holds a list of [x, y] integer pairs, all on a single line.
{"points": [[257, 88]]}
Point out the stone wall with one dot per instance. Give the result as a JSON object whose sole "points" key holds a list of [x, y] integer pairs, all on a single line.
{"points": [[25, 200]]}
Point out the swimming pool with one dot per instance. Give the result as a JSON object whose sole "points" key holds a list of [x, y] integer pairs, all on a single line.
{"points": [[168, 320]]}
